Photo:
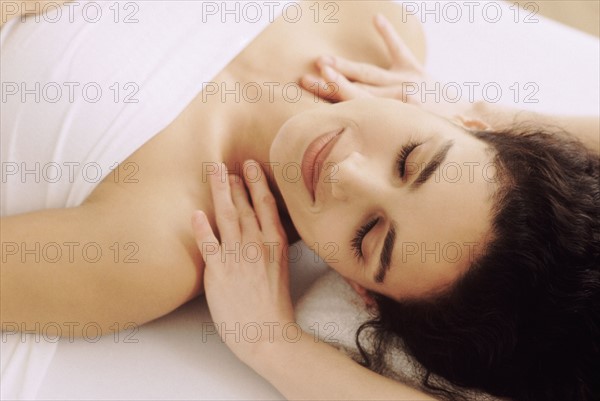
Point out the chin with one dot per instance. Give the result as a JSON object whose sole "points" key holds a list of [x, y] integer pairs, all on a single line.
{"points": [[287, 149], [288, 140]]}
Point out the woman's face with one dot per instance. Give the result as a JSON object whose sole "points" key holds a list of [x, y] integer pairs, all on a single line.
{"points": [[402, 230]]}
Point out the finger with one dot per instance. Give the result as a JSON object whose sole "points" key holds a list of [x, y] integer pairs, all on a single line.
{"points": [[392, 92], [247, 217], [319, 87], [225, 211], [265, 205], [343, 88], [355, 71], [205, 238], [400, 53]]}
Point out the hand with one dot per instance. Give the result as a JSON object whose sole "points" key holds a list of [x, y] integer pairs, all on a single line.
{"points": [[246, 274], [342, 79]]}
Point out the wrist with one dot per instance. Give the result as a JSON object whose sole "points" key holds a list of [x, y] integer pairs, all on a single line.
{"points": [[257, 341]]}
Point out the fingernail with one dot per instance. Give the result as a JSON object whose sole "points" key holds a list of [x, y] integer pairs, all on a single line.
{"points": [[198, 218], [326, 60], [379, 20], [311, 80], [329, 73]]}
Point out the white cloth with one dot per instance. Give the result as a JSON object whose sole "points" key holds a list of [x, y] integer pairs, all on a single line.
{"points": [[128, 80], [172, 361], [25, 359], [83, 87], [333, 311]]}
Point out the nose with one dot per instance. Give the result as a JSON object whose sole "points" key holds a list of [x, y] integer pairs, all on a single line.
{"points": [[354, 179]]}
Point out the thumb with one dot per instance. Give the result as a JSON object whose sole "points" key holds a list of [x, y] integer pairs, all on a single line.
{"points": [[342, 88], [205, 238]]}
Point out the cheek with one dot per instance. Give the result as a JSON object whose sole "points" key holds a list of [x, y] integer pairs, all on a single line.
{"points": [[326, 239], [350, 269], [322, 237]]}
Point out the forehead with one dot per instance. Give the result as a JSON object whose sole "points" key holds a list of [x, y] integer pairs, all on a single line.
{"points": [[394, 118], [445, 224]]}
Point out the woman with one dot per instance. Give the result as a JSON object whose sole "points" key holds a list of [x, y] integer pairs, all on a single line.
{"points": [[354, 198]]}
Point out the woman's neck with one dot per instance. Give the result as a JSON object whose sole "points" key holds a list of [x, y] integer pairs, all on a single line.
{"points": [[251, 127], [274, 61]]}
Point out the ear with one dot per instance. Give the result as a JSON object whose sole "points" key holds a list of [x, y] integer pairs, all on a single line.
{"points": [[471, 123], [362, 292]]}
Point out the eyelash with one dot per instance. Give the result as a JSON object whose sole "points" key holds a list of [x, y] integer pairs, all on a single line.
{"points": [[403, 155], [357, 241]]}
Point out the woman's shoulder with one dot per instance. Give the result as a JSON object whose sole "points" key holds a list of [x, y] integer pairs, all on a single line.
{"points": [[344, 28], [358, 21]]}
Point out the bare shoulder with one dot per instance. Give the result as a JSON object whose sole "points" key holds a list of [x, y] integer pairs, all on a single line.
{"points": [[358, 16]]}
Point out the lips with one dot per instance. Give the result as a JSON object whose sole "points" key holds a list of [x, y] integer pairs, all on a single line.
{"points": [[315, 155]]}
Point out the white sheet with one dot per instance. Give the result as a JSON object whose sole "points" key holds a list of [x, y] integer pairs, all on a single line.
{"points": [[171, 359], [52, 127], [25, 360]]}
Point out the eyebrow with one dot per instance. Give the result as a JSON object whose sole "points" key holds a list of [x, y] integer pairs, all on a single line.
{"points": [[437, 159], [385, 258]]}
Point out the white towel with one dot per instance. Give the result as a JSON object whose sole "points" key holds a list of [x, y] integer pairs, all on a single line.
{"points": [[333, 311]]}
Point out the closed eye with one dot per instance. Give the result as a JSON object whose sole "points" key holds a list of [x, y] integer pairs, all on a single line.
{"points": [[403, 155], [357, 241]]}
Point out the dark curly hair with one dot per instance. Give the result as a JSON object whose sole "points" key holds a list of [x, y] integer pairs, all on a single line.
{"points": [[524, 321]]}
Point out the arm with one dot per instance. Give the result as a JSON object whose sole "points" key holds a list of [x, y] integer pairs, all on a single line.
{"points": [[242, 290], [310, 370], [100, 263]]}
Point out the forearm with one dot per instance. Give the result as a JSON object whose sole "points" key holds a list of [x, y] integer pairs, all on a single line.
{"points": [[310, 370], [585, 128]]}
